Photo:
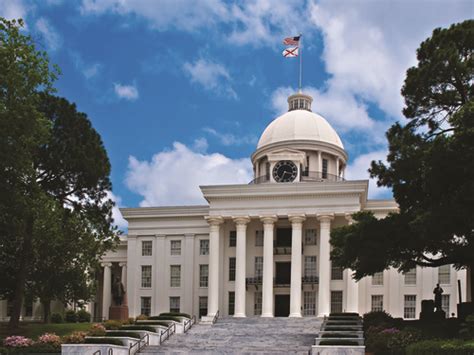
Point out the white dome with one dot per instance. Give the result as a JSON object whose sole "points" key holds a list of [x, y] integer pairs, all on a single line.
{"points": [[299, 125]]}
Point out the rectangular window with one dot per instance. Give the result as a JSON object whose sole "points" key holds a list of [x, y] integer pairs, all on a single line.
{"points": [[204, 247], [444, 274], [409, 310], [258, 266], [259, 238], [175, 305], [309, 303], [176, 247], [267, 171], [336, 301], [231, 269], [146, 276], [147, 248], [203, 275], [310, 237], [310, 266], [410, 277], [377, 303], [324, 174], [232, 238], [377, 279], [257, 305], [202, 306], [231, 303], [175, 275], [445, 304], [336, 272], [145, 307]]}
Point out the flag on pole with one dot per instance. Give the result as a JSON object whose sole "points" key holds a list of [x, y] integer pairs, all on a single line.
{"points": [[292, 41], [290, 52]]}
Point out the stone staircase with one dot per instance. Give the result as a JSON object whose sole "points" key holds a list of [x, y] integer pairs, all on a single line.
{"points": [[244, 335]]}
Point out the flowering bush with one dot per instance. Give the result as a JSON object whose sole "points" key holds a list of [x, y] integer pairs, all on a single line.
{"points": [[17, 341], [74, 338], [112, 324], [49, 338], [391, 331], [142, 317], [97, 329]]}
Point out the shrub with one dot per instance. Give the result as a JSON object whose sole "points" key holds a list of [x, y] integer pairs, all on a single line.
{"points": [[376, 340], [17, 341], [164, 324], [49, 338], [74, 338], [467, 328], [139, 327], [129, 321], [97, 329], [174, 314], [83, 316], [70, 316], [56, 318], [176, 319], [399, 340], [112, 324], [123, 334], [441, 347], [142, 317], [338, 342], [338, 335], [352, 314], [34, 349], [376, 319], [110, 341]]}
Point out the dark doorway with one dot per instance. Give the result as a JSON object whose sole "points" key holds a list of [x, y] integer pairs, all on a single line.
{"points": [[283, 273], [283, 237], [282, 305]]}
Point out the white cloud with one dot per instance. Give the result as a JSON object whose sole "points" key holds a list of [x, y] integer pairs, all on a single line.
{"points": [[172, 177], [358, 170], [13, 9], [228, 139], [200, 145], [89, 70], [119, 221], [210, 75], [51, 38], [127, 92]]}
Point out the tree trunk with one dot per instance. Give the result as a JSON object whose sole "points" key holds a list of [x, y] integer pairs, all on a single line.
{"points": [[25, 257], [46, 310]]}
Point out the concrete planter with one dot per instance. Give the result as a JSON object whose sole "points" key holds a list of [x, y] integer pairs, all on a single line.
{"points": [[83, 349], [154, 338], [338, 350]]}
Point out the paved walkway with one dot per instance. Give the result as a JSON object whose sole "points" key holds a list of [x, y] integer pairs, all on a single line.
{"points": [[252, 335]]}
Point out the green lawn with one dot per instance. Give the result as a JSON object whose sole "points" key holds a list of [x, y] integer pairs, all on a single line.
{"points": [[33, 330]]}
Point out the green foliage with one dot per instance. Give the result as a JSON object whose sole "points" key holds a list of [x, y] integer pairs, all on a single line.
{"points": [[174, 314], [164, 324], [467, 328], [338, 342], [83, 316], [110, 341], [176, 319], [56, 318], [430, 168], [142, 317], [70, 316], [139, 327], [112, 324], [123, 334], [338, 335], [33, 349], [441, 347], [377, 319]]}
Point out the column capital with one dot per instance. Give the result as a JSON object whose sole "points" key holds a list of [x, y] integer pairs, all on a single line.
{"points": [[296, 218], [214, 220], [106, 264], [269, 219], [122, 264], [241, 220], [325, 217]]}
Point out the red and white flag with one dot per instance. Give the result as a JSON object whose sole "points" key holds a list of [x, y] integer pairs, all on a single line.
{"points": [[290, 52], [292, 41]]}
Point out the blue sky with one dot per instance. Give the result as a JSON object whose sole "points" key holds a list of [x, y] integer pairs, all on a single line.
{"points": [[180, 91]]}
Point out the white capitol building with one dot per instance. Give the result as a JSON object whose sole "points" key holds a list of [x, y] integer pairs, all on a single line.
{"points": [[262, 249]]}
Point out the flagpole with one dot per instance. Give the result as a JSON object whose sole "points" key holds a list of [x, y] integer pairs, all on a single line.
{"points": [[301, 62]]}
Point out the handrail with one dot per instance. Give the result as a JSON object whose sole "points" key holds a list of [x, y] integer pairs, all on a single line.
{"points": [[110, 351], [216, 316], [97, 352], [306, 176], [189, 323], [139, 343], [168, 332]]}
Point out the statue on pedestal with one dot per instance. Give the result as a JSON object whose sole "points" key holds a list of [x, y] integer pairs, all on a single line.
{"points": [[438, 291], [118, 292]]}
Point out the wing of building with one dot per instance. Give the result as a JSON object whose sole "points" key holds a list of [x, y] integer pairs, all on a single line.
{"points": [[262, 249]]}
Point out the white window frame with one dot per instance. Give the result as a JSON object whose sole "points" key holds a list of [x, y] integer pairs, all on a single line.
{"points": [[445, 306], [204, 247], [259, 266], [175, 247], [146, 276], [145, 309], [410, 277], [203, 275], [147, 248], [232, 267], [409, 307], [336, 271], [310, 236], [376, 303], [337, 298], [257, 304], [444, 274], [377, 279], [310, 266], [175, 304], [309, 303], [259, 238], [175, 275]]}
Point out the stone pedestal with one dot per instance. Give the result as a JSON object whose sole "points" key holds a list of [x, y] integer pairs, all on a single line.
{"points": [[118, 312]]}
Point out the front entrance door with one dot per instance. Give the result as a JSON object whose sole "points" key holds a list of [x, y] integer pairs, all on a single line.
{"points": [[282, 305], [283, 273]]}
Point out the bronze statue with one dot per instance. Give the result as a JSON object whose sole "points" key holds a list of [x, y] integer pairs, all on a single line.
{"points": [[118, 292], [438, 291]]}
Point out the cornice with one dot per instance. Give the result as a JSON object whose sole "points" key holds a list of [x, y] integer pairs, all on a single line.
{"points": [[381, 206], [165, 212]]}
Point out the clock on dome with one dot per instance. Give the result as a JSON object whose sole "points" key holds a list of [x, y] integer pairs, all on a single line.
{"points": [[285, 171]]}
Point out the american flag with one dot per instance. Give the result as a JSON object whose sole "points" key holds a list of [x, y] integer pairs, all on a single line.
{"points": [[291, 41]]}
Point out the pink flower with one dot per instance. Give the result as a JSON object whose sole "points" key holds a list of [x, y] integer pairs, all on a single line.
{"points": [[49, 338], [17, 341], [390, 331]]}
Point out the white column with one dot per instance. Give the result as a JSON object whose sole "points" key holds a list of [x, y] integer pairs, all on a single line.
{"points": [[106, 290], [267, 287], [324, 294], [296, 264], [213, 289], [337, 167], [123, 265], [240, 261], [352, 296], [320, 163]]}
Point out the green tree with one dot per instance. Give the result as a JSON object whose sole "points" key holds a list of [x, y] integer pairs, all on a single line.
{"points": [[430, 169]]}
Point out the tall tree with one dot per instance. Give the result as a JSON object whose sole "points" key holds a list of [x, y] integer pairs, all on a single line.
{"points": [[430, 169]]}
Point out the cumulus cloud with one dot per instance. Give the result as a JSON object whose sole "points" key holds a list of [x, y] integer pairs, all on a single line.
{"points": [[229, 139], [210, 75], [89, 70], [127, 92], [358, 170], [173, 177], [48, 33], [119, 221], [13, 9]]}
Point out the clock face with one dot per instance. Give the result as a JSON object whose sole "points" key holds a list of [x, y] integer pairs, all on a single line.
{"points": [[285, 171]]}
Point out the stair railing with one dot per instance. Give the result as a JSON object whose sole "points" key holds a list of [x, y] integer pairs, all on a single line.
{"points": [[216, 316], [140, 344]]}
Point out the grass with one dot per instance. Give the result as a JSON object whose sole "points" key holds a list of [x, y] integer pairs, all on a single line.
{"points": [[34, 330]]}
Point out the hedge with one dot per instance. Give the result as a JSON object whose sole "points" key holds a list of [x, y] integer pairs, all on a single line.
{"points": [[164, 324], [110, 341], [123, 334], [173, 318], [441, 347], [338, 335], [338, 342], [175, 314], [33, 349], [139, 327]]}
